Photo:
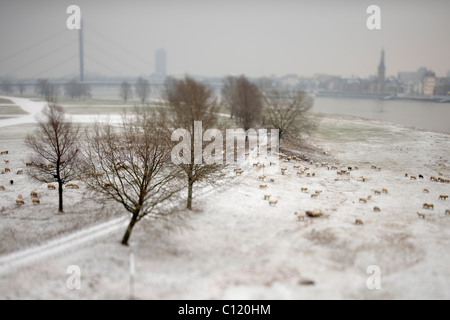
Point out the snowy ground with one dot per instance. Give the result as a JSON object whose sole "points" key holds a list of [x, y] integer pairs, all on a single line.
{"points": [[236, 246]]}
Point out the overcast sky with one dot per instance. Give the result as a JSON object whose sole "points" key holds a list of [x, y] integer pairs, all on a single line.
{"points": [[216, 38]]}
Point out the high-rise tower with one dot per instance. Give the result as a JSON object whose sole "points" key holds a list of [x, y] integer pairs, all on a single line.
{"points": [[160, 62], [381, 74]]}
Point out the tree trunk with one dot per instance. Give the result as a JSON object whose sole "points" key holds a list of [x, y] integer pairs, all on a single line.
{"points": [[190, 189], [127, 234], [60, 191]]}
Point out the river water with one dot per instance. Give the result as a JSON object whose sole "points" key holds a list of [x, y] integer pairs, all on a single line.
{"points": [[422, 115]]}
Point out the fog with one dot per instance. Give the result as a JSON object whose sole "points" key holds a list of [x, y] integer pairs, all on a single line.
{"points": [[216, 38]]}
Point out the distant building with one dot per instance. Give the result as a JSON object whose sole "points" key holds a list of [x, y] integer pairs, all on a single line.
{"points": [[160, 62], [381, 81], [429, 83]]}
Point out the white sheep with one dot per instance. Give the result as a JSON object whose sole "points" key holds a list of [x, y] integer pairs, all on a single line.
{"points": [[35, 201]]}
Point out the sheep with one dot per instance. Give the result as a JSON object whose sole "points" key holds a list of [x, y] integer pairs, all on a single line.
{"points": [[2, 187], [440, 173], [2, 171], [420, 215], [377, 192], [272, 180], [314, 195], [443, 197], [11, 182], [374, 167], [222, 175], [447, 212], [413, 178], [72, 185], [7, 170], [384, 190], [376, 209], [29, 164], [406, 175], [426, 191], [359, 222], [239, 172], [273, 202], [267, 197], [428, 206], [19, 171], [300, 217], [51, 186], [20, 202], [35, 201], [363, 179], [255, 164], [433, 179], [19, 196], [263, 186], [261, 178], [4, 152], [303, 189], [369, 197], [34, 193], [299, 173], [318, 191], [420, 176], [363, 200], [272, 164], [6, 161]]}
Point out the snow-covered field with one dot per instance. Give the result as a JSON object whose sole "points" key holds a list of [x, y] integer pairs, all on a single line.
{"points": [[234, 245]]}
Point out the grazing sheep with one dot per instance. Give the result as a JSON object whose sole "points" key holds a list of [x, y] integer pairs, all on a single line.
{"points": [[314, 195], [6, 161], [364, 179], [374, 167], [384, 190], [239, 172], [273, 202], [420, 176], [255, 164], [304, 189], [272, 163], [426, 191], [300, 217], [222, 175], [447, 212], [428, 206], [263, 186], [51, 186], [420, 215], [433, 179], [7, 170], [443, 197], [34, 193], [363, 200], [359, 222], [2, 187], [406, 175], [35, 201], [28, 164], [369, 197], [440, 173], [267, 196], [261, 178], [19, 171], [4, 152], [2, 171], [376, 209], [19, 196], [318, 191], [20, 201], [72, 185], [377, 192], [413, 178]]}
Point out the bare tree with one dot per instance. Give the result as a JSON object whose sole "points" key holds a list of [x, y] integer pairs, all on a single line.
{"points": [[248, 103], [55, 150], [130, 164], [47, 90], [287, 110], [126, 92], [142, 89], [78, 90], [21, 86], [189, 102], [228, 94], [6, 87]]}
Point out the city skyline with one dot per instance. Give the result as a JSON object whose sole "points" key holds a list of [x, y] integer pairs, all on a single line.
{"points": [[211, 38]]}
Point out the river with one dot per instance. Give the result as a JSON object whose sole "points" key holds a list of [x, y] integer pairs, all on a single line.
{"points": [[422, 115]]}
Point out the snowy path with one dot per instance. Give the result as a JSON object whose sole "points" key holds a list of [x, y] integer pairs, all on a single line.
{"points": [[10, 262], [31, 107]]}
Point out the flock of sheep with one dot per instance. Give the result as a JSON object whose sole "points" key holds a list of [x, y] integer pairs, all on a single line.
{"points": [[33, 194], [306, 171]]}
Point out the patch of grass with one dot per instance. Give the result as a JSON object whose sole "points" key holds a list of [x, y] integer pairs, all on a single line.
{"points": [[6, 101], [11, 110]]}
